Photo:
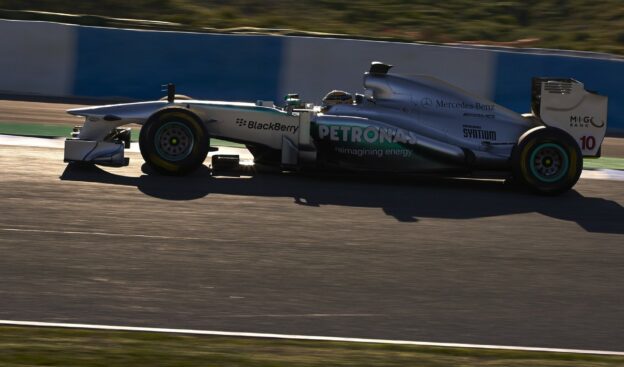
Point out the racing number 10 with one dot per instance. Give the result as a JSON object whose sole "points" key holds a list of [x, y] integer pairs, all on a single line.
{"points": [[588, 142]]}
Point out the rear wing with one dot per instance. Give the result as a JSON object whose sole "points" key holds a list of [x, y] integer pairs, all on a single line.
{"points": [[566, 104]]}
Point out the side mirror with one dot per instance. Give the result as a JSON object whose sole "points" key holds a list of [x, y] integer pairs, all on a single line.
{"points": [[170, 91]]}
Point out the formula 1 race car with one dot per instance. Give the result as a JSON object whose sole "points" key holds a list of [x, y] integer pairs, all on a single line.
{"points": [[402, 124]]}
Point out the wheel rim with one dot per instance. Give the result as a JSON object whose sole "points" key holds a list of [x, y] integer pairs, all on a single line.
{"points": [[174, 141], [549, 162]]}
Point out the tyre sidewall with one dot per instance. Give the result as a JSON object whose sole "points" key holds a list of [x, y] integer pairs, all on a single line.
{"points": [[536, 138], [149, 151]]}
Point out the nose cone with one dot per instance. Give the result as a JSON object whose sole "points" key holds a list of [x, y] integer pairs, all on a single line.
{"points": [[125, 110], [91, 110]]}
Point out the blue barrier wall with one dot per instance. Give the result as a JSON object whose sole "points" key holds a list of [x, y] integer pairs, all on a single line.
{"points": [[75, 61], [514, 72], [124, 63]]}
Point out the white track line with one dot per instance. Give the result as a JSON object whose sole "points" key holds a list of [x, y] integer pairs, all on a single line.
{"points": [[603, 174], [302, 337], [59, 143], [26, 141], [98, 234]]}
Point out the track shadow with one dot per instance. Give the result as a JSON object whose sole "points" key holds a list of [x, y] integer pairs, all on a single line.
{"points": [[405, 198]]}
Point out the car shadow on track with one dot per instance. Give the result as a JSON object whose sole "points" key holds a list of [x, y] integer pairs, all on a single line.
{"points": [[405, 198]]}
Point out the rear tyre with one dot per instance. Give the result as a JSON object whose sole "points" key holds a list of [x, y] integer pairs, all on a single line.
{"points": [[547, 160], [174, 142]]}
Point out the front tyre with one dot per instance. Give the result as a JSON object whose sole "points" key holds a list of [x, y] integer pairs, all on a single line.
{"points": [[174, 142], [547, 160]]}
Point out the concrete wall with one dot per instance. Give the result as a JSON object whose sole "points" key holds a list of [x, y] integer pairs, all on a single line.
{"points": [[66, 60], [37, 58], [314, 66]]}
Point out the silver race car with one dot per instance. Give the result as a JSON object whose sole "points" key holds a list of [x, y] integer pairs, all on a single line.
{"points": [[401, 124]]}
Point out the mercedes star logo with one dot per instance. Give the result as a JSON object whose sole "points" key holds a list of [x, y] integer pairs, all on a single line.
{"points": [[426, 102]]}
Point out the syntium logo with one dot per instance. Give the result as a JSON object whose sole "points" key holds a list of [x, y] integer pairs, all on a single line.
{"points": [[475, 132], [369, 134]]}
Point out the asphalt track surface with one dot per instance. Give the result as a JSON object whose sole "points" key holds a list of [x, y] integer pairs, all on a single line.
{"points": [[425, 259]]}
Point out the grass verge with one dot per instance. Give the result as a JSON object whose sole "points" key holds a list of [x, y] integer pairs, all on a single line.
{"points": [[30, 129], [31, 346], [604, 163]]}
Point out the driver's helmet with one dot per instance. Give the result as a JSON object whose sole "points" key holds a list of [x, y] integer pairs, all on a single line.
{"points": [[337, 97]]}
